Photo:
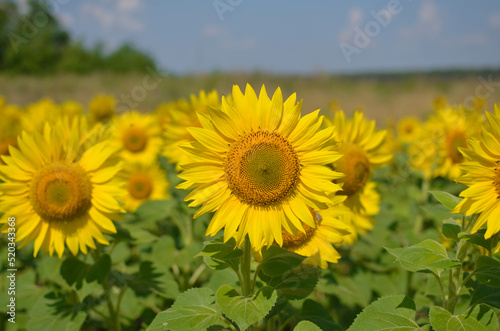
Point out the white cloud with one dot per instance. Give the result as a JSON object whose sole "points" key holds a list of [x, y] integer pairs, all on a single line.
{"points": [[213, 31], [119, 13], [22, 6], [495, 20], [128, 5], [66, 19], [473, 40], [225, 37], [428, 22], [355, 16]]}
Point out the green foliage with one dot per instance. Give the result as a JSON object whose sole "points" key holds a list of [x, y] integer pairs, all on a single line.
{"points": [[195, 309], [487, 271], [245, 311], [446, 199], [479, 318], [391, 312], [306, 326], [427, 255], [276, 261], [294, 284]]}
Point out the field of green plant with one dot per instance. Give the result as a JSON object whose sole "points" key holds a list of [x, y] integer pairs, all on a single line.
{"points": [[203, 205]]}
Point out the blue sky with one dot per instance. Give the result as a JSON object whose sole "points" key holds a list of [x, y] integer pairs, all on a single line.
{"points": [[292, 36]]}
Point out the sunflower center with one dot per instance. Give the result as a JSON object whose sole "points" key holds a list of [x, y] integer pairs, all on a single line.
{"points": [[61, 192], [140, 186], [262, 168], [293, 242], [455, 140], [408, 128], [356, 167], [135, 139]]}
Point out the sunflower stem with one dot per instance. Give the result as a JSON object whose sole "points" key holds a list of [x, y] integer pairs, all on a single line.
{"points": [[246, 286], [454, 274]]}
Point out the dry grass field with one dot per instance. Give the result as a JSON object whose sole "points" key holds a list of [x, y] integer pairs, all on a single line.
{"points": [[383, 98]]}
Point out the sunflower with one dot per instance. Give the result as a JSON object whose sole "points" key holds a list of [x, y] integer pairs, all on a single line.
{"points": [[362, 149], [364, 207], [409, 129], [36, 114], [436, 151], [439, 102], [317, 243], [102, 108], [481, 173], [178, 116], [61, 189], [138, 136], [259, 166], [10, 127], [144, 183]]}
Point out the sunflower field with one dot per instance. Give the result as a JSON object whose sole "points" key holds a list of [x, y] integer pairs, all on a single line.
{"points": [[247, 212]]}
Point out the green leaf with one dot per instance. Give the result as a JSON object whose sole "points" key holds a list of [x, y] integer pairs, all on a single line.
{"points": [[146, 280], [314, 312], [139, 235], [485, 294], [479, 318], [446, 199], [391, 312], [155, 210], [276, 261], [295, 284], [194, 309], [306, 326], [427, 255], [451, 229], [219, 255], [487, 271], [477, 238], [351, 290], [221, 250], [100, 269], [74, 271], [47, 314], [245, 311]]}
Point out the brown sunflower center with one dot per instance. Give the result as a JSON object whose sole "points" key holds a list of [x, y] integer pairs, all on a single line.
{"points": [[455, 140], [140, 186], [135, 139], [61, 192], [356, 167], [293, 242], [262, 168], [408, 128]]}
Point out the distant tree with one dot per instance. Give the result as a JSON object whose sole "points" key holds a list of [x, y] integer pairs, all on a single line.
{"points": [[36, 43]]}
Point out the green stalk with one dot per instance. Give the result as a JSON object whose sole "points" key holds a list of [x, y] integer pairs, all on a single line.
{"points": [[246, 286], [454, 276]]}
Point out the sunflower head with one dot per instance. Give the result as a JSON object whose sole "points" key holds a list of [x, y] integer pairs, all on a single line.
{"points": [[481, 173], [138, 136], [178, 116], [102, 108], [61, 186], [144, 183], [316, 243], [409, 129], [259, 166]]}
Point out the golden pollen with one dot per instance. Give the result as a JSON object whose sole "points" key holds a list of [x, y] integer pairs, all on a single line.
{"points": [[262, 168], [140, 186], [356, 167], [455, 140], [61, 192], [294, 242], [134, 139]]}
